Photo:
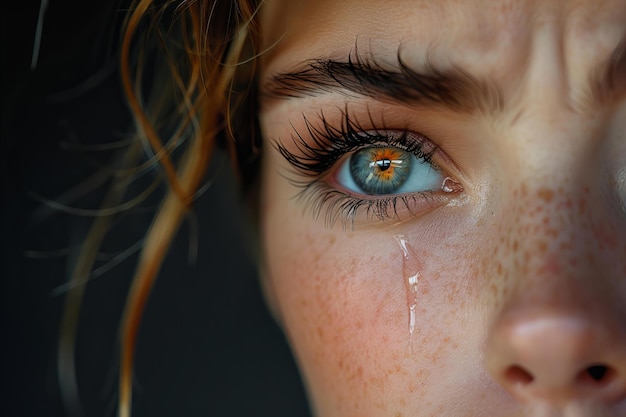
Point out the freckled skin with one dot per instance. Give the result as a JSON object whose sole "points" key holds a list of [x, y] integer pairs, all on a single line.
{"points": [[522, 274]]}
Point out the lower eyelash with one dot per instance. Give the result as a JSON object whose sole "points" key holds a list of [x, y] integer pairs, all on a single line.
{"points": [[335, 205]]}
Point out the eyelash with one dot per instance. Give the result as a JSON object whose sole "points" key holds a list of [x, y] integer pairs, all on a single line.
{"points": [[327, 145]]}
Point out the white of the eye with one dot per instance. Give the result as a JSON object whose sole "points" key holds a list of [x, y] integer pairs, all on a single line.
{"points": [[422, 177]]}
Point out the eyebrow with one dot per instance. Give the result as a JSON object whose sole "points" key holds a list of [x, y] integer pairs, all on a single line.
{"points": [[452, 87]]}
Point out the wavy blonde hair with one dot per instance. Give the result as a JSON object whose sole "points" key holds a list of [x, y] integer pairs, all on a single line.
{"points": [[187, 69]]}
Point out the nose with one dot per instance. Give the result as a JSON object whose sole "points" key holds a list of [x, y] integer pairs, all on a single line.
{"points": [[557, 357], [560, 335]]}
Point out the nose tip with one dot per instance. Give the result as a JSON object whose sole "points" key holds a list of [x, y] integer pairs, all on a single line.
{"points": [[552, 358]]}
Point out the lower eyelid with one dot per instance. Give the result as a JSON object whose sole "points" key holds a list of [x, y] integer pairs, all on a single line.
{"points": [[325, 201]]}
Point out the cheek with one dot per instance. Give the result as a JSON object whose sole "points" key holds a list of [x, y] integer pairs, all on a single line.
{"points": [[340, 310], [363, 334]]}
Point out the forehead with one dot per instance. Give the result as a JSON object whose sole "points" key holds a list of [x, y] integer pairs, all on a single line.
{"points": [[490, 35]]}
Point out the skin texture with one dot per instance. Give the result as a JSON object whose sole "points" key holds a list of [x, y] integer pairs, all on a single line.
{"points": [[521, 274]]}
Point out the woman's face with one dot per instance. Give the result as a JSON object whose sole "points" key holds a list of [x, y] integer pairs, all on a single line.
{"points": [[444, 204]]}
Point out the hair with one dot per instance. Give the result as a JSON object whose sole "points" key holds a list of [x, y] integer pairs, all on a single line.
{"points": [[188, 73]]}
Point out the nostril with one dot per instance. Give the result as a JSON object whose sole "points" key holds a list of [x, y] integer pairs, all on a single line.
{"points": [[597, 374], [517, 375]]}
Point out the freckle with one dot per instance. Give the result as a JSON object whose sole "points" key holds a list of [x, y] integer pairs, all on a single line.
{"points": [[422, 374], [590, 258], [493, 289], [542, 247], [320, 333], [545, 194], [499, 269], [523, 190], [515, 245]]}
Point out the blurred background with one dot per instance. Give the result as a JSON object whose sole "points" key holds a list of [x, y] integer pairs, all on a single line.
{"points": [[207, 345]]}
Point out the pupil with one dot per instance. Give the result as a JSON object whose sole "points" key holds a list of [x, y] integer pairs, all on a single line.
{"points": [[383, 164]]}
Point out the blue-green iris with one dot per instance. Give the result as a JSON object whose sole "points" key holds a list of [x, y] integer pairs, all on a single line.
{"points": [[380, 170]]}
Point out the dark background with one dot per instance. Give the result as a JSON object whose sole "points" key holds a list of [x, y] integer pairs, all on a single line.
{"points": [[207, 346]]}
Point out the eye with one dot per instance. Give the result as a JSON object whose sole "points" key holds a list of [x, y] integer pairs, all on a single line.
{"points": [[383, 170], [354, 173]]}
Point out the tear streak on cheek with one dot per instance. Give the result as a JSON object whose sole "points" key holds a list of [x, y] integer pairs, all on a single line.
{"points": [[379, 294], [411, 275], [368, 313]]}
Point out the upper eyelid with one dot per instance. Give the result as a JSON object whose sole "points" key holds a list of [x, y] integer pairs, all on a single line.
{"points": [[321, 147]]}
